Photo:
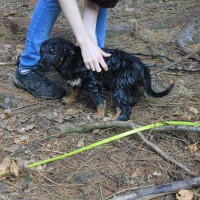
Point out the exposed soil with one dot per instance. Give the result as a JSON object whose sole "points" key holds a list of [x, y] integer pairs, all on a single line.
{"points": [[134, 26]]}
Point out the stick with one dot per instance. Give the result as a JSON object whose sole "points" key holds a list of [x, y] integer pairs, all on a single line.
{"points": [[159, 190], [7, 63], [84, 128], [163, 154], [153, 56], [71, 128], [196, 69], [176, 62]]}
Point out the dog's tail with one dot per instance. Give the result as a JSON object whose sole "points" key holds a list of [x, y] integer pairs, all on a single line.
{"points": [[148, 89]]}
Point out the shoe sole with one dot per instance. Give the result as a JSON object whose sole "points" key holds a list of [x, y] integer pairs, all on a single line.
{"points": [[18, 84]]}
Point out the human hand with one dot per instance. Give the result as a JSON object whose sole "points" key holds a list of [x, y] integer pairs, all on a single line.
{"points": [[93, 56]]}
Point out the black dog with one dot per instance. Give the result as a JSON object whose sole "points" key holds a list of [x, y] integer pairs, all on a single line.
{"points": [[126, 72]]}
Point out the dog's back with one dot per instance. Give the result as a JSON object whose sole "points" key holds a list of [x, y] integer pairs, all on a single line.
{"points": [[130, 68]]}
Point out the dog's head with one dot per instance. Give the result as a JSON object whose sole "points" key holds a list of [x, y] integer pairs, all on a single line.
{"points": [[54, 52]]}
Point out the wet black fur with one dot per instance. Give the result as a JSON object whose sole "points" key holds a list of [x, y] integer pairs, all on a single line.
{"points": [[126, 72]]}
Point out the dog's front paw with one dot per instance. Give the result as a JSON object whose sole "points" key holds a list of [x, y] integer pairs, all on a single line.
{"points": [[68, 100], [72, 97], [101, 111]]}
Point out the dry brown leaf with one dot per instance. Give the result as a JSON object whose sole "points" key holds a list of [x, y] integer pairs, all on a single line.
{"points": [[95, 131], [136, 172], [184, 195], [5, 165], [22, 139], [193, 147], [187, 117], [8, 112], [3, 116], [80, 144], [14, 168], [193, 110], [108, 193]]}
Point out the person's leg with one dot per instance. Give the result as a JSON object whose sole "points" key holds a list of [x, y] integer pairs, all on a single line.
{"points": [[101, 26], [27, 75], [43, 19]]}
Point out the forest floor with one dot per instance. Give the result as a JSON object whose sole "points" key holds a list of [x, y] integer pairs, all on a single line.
{"points": [[170, 28]]}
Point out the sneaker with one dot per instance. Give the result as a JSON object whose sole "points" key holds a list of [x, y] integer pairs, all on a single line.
{"points": [[37, 84]]}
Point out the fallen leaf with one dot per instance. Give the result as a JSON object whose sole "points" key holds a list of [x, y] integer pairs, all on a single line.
{"points": [[184, 195], [5, 165], [23, 139], [14, 168], [8, 112], [95, 131], [193, 147], [136, 172], [80, 144], [187, 117], [193, 110], [3, 116], [108, 193], [157, 173]]}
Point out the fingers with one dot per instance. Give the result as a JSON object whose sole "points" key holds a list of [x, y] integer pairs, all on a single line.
{"points": [[104, 54], [99, 64], [94, 66], [93, 57]]}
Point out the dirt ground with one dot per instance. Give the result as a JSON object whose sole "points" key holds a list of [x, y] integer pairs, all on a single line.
{"points": [[150, 27]]}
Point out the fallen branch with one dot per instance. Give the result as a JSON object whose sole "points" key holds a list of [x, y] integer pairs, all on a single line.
{"points": [[176, 62], [155, 191], [153, 56], [71, 128], [84, 128], [195, 69]]}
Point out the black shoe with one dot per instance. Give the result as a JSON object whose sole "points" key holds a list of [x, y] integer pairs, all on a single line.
{"points": [[37, 84]]}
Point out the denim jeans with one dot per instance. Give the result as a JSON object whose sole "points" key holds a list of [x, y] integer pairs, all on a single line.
{"points": [[41, 24]]}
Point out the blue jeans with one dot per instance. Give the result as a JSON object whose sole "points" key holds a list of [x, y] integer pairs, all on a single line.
{"points": [[43, 19]]}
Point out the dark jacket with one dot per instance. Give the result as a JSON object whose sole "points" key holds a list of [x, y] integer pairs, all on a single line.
{"points": [[105, 3]]}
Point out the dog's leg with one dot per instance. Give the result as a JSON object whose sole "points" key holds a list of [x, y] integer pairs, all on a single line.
{"points": [[74, 92], [122, 102], [101, 110], [97, 98]]}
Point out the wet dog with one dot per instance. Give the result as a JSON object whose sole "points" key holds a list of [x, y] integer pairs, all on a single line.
{"points": [[125, 73]]}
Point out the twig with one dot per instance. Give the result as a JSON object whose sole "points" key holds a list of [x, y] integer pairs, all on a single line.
{"points": [[176, 62], [155, 191], [153, 56], [164, 155], [25, 184], [47, 178], [7, 63], [196, 69], [29, 146]]}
